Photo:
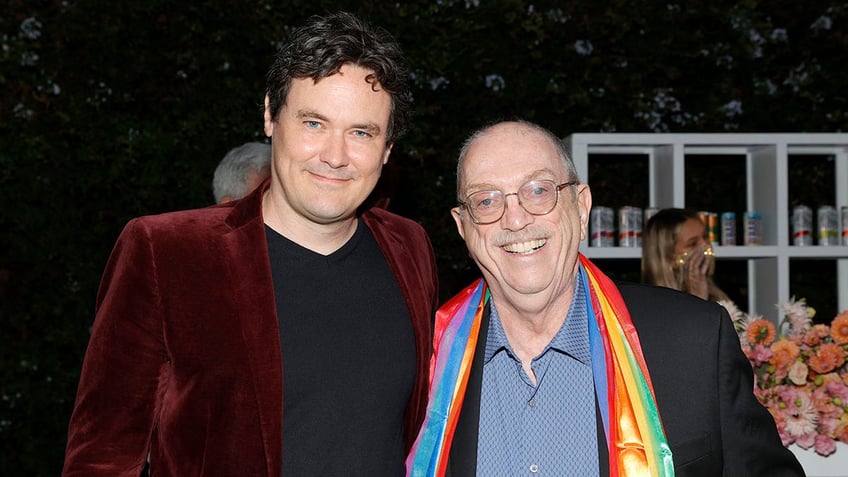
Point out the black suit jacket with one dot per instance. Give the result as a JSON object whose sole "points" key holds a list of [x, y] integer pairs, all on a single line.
{"points": [[703, 385]]}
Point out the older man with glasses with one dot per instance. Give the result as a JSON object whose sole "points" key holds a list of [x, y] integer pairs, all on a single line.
{"points": [[546, 367]]}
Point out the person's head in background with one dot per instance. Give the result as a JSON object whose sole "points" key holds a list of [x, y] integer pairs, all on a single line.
{"points": [[241, 171], [676, 253]]}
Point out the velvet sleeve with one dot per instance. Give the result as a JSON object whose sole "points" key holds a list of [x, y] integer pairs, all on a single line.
{"points": [[125, 365], [750, 443]]}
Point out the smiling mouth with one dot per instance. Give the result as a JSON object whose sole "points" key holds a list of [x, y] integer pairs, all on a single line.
{"points": [[329, 178], [525, 247]]}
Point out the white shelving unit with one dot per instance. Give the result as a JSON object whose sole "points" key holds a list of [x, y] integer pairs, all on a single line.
{"points": [[766, 157]]}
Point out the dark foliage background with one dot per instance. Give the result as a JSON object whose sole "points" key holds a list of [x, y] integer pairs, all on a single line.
{"points": [[113, 109]]}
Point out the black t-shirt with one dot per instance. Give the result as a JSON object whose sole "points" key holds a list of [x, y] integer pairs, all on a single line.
{"points": [[348, 358]]}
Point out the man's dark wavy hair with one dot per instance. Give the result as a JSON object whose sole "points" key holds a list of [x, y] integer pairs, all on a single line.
{"points": [[322, 46]]}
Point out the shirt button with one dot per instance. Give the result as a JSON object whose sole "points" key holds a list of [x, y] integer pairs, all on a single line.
{"points": [[534, 468], [533, 403]]}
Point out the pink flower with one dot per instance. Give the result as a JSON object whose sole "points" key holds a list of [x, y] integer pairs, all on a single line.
{"points": [[827, 425], [787, 393], [806, 441], [760, 354], [801, 416], [838, 390], [825, 445], [825, 405]]}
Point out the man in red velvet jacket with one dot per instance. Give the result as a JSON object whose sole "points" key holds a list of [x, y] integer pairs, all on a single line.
{"points": [[285, 332]]}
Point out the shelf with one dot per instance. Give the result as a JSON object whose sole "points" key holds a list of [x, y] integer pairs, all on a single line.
{"points": [[763, 251], [765, 165], [611, 252], [833, 252], [746, 251], [724, 252]]}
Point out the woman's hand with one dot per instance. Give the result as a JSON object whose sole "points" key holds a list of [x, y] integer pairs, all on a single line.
{"points": [[696, 273]]}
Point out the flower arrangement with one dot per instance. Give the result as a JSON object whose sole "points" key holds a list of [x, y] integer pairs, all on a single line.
{"points": [[800, 372]]}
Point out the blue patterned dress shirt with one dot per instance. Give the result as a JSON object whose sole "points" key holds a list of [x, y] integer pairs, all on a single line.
{"points": [[544, 430]]}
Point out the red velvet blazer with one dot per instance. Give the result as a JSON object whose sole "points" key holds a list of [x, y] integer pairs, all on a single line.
{"points": [[184, 360]]}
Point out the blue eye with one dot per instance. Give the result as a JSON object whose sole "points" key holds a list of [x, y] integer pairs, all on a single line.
{"points": [[536, 191], [540, 188], [485, 200]]}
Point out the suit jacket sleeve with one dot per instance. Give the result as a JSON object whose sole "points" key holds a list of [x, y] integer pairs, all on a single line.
{"points": [[750, 442], [125, 363], [704, 387]]}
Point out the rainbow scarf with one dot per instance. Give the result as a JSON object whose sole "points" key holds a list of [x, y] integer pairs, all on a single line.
{"points": [[636, 441]]}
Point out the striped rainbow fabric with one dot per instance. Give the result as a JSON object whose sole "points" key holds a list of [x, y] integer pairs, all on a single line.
{"points": [[456, 329], [637, 444]]}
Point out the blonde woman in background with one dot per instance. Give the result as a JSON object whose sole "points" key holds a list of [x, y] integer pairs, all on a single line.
{"points": [[677, 254]]}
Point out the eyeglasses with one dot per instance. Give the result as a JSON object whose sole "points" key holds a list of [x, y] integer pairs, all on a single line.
{"points": [[536, 197]]}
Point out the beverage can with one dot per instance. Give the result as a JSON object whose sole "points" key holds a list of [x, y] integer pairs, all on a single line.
{"points": [[752, 223], [629, 226], [844, 225], [710, 220], [728, 228], [649, 212], [828, 225], [602, 223], [802, 225]]}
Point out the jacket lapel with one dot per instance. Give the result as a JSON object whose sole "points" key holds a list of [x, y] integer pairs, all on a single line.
{"points": [[463, 454], [245, 249]]}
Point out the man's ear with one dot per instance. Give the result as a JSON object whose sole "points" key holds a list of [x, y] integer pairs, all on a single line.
{"points": [[456, 213], [269, 123], [387, 152], [584, 206]]}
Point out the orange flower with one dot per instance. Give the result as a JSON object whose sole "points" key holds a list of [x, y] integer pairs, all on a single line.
{"points": [[785, 353], [839, 328], [828, 357], [811, 338], [760, 331], [815, 334], [822, 331], [830, 378]]}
